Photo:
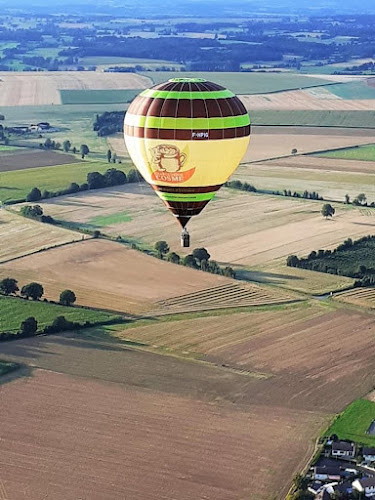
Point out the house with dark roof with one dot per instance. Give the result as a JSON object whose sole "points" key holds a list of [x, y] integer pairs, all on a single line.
{"points": [[343, 449], [327, 473], [365, 485], [368, 455]]}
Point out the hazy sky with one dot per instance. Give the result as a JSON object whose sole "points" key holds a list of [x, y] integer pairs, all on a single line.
{"points": [[186, 7]]}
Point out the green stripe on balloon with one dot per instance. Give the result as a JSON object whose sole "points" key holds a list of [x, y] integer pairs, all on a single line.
{"points": [[186, 197], [187, 123], [165, 94]]}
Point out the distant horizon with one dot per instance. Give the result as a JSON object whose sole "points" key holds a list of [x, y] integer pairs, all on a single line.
{"points": [[192, 7]]}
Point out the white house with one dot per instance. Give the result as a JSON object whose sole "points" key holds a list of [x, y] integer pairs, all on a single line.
{"points": [[368, 455], [365, 485], [343, 449]]}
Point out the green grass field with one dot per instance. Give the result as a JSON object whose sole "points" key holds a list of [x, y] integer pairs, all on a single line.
{"points": [[353, 90], [361, 153], [14, 310], [108, 220], [354, 422], [346, 119], [245, 83], [7, 148], [7, 367], [15, 185], [98, 96]]}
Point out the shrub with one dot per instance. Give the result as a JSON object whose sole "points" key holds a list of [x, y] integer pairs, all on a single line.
{"points": [[34, 195], [67, 297], [8, 286], [28, 327]]}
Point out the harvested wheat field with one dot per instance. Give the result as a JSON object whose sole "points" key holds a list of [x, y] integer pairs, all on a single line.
{"points": [[21, 236], [364, 297], [116, 441], [273, 142], [23, 159], [27, 89], [319, 358], [318, 98], [108, 275], [239, 228]]}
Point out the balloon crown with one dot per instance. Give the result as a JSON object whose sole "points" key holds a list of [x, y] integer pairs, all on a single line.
{"points": [[187, 80]]}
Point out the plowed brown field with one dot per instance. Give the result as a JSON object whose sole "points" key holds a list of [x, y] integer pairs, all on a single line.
{"points": [[64, 437], [23, 159]]}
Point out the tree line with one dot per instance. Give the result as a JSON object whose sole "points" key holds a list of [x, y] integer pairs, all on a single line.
{"points": [[355, 259], [198, 259]]}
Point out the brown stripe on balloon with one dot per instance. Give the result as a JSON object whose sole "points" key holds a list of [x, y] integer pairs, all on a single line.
{"points": [[187, 108], [186, 209], [186, 190], [187, 135]]}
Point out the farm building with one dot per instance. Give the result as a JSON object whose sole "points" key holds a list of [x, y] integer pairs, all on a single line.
{"points": [[343, 449]]}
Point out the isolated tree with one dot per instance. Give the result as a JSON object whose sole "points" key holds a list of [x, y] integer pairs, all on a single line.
{"points": [[48, 143], [328, 210], [109, 155], [67, 297], [173, 257], [162, 248], [201, 254], [66, 146], [32, 290], [294, 151], [361, 198], [8, 286], [114, 158], [74, 150], [32, 210], [29, 326], [347, 199], [34, 195], [84, 150], [96, 234]]}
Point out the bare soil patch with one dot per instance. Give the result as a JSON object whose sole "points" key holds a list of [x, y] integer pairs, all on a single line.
{"points": [[108, 275], [114, 441], [34, 159]]}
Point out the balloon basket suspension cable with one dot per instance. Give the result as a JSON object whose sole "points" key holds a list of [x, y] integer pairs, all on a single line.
{"points": [[185, 238]]}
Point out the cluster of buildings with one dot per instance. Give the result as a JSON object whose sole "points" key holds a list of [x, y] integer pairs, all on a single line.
{"points": [[37, 128], [343, 471]]}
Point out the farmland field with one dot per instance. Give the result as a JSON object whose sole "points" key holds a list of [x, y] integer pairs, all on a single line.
{"points": [[354, 422], [15, 185], [21, 159], [19, 89], [364, 297], [354, 90], [21, 236], [106, 275], [274, 142], [267, 228], [363, 153], [15, 310], [203, 448], [245, 83], [313, 99], [312, 118], [97, 96]]}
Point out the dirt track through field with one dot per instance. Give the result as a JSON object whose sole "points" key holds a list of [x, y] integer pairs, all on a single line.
{"points": [[27, 89]]}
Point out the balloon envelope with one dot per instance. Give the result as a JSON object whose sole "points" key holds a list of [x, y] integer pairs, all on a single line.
{"points": [[186, 137]]}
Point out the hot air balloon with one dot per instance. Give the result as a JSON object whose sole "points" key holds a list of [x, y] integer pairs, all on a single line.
{"points": [[186, 137]]}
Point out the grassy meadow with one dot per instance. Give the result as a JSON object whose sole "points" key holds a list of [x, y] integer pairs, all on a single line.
{"points": [[313, 118], [120, 96], [14, 310], [361, 153], [15, 185], [354, 422]]}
